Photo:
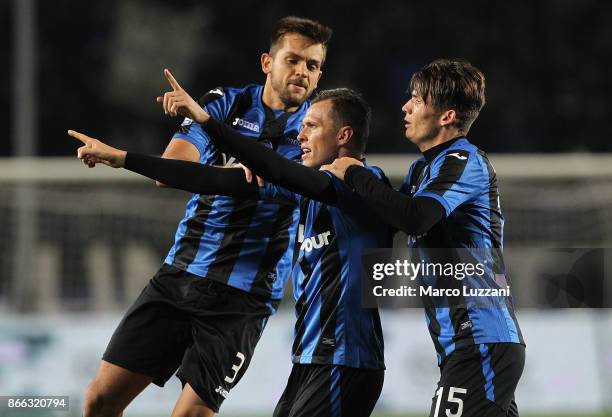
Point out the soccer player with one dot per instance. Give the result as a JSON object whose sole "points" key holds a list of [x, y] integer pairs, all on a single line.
{"points": [[450, 199], [338, 347], [205, 309]]}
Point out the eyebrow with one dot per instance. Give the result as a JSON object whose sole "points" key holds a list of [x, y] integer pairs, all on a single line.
{"points": [[309, 61], [311, 120]]}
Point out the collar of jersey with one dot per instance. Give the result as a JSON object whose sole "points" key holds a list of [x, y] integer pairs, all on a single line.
{"points": [[279, 112], [431, 153]]}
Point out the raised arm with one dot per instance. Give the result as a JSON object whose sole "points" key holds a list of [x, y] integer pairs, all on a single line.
{"points": [[264, 162]]}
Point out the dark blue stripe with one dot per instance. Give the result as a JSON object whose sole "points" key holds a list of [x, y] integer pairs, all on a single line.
{"points": [[487, 371], [335, 393]]}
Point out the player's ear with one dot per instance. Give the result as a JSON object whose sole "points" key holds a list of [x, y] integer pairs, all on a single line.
{"points": [[266, 63], [448, 117], [345, 135], [319, 77]]}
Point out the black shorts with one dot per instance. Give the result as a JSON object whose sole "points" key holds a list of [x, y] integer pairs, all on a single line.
{"points": [[207, 328], [479, 381], [330, 391]]}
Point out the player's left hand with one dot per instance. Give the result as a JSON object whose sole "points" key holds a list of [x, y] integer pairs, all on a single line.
{"points": [[177, 102], [248, 175], [340, 165]]}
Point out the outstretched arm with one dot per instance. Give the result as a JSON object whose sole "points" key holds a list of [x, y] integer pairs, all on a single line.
{"points": [[414, 216], [188, 176], [192, 176], [265, 162]]}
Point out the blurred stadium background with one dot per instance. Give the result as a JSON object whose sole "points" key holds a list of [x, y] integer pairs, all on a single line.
{"points": [[77, 245]]}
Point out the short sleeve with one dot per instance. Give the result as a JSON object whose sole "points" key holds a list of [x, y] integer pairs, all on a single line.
{"points": [[454, 179], [215, 102]]}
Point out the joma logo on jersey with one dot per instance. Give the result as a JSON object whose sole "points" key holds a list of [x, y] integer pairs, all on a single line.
{"points": [[247, 125], [312, 242], [217, 91], [458, 156]]}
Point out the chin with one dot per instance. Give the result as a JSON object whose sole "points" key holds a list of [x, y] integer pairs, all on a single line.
{"points": [[293, 100], [300, 98]]}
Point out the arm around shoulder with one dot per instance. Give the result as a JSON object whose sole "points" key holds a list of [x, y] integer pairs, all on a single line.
{"points": [[414, 216]]}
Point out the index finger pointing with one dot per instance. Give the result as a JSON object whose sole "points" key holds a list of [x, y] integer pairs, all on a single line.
{"points": [[173, 83], [79, 136]]}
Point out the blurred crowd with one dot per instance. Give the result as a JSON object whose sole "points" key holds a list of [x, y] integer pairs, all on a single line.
{"points": [[99, 65]]}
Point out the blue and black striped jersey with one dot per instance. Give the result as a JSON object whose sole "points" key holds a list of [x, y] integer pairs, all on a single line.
{"points": [[460, 177], [247, 244], [332, 327]]}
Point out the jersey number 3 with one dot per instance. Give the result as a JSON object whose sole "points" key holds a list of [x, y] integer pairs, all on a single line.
{"points": [[235, 368]]}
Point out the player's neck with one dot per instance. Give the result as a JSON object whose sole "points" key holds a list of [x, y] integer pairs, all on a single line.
{"points": [[345, 152], [273, 101], [443, 137], [342, 153]]}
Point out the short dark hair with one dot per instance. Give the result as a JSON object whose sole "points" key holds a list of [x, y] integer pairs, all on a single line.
{"points": [[318, 32], [452, 84], [350, 109]]}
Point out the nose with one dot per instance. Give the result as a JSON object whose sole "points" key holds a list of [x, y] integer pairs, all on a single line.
{"points": [[301, 137], [407, 107], [300, 69]]}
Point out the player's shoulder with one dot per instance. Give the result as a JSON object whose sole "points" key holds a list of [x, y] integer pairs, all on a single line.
{"points": [[378, 172], [230, 94], [462, 146], [217, 93], [461, 152], [301, 111], [462, 159]]}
